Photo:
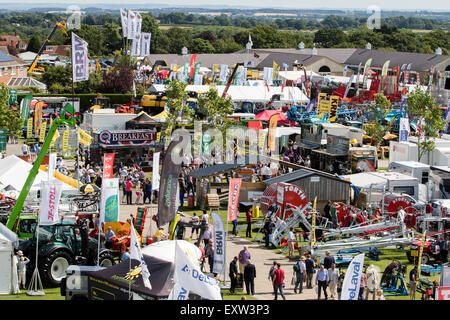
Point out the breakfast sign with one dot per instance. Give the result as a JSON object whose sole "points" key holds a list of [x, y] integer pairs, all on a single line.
{"points": [[127, 137]]}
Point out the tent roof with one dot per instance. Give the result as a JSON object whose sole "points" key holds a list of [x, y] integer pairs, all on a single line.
{"points": [[142, 118], [266, 114], [165, 250], [14, 171]]}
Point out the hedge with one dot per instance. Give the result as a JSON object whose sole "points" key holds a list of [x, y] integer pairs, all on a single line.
{"points": [[114, 98]]}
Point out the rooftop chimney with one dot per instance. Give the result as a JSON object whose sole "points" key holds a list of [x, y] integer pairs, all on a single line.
{"points": [[368, 46], [438, 51]]}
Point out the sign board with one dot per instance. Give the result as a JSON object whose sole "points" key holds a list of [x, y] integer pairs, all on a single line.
{"points": [[12, 96], [337, 144], [127, 137], [334, 103], [444, 293], [3, 140], [315, 179]]}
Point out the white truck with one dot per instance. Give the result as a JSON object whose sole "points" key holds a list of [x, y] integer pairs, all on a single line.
{"points": [[419, 170], [439, 182], [102, 120]]}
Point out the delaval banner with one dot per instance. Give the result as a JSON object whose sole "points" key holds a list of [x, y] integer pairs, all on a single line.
{"points": [[220, 243], [108, 164], [189, 276], [350, 286], [124, 21], [233, 198], [50, 195], [109, 204], [155, 171], [167, 200], [404, 129], [80, 71]]}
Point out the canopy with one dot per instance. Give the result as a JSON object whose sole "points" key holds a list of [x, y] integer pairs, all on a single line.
{"points": [[14, 171], [8, 276], [160, 116], [142, 121], [165, 250], [285, 131], [266, 114]]}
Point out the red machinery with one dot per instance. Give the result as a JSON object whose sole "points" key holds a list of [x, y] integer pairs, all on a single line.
{"points": [[286, 196], [393, 202]]}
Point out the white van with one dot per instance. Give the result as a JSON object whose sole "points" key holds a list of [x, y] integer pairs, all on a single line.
{"points": [[419, 170]]}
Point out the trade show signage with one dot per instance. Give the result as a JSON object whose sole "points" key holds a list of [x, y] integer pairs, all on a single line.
{"points": [[135, 137]]}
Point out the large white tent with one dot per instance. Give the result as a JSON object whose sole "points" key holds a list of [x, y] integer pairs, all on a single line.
{"points": [[8, 274], [165, 250], [14, 172]]}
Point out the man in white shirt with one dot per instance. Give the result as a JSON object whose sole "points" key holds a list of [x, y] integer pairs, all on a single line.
{"points": [[401, 218], [291, 242], [333, 276]]}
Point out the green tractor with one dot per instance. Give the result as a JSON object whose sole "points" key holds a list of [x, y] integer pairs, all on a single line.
{"points": [[61, 245], [25, 226]]}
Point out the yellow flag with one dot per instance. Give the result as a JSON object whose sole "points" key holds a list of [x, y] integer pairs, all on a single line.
{"points": [[334, 104], [55, 136], [420, 254], [158, 136], [324, 107], [276, 71], [30, 128], [65, 141], [42, 132], [322, 96], [83, 137], [313, 224]]}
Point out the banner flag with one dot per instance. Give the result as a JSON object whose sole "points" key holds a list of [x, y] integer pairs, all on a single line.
{"points": [[80, 61], [25, 108], [50, 195], [51, 165], [385, 68], [223, 73], [38, 116], [268, 75], [271, 138], [136, 254], [136, 45], [178, 293], [138, 24], [192, 66], [167, 199], [349, 84], [219, 243], [321, 96], [109, 203], [155, 171], [83, 137], [42, 131], [65, 141], [233, 198], [108, 165], [124, 20], [404, 129], [189, 276], [55, 137], [276, 71], [334, 104], [145, 47], [30, 128], [131, 27], [357, 78], [350, 286], [366, 71]]}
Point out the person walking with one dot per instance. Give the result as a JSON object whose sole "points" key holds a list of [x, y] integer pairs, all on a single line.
{"points": [[300, 274], [278, 282], [233, 274], [272, 274], [206, 236], [328, 260], [248, 232], [209, 253], [340, 283], [235, 224], [322, 281], [291, 243], [249, 277], [147, 191], [244, 257], [138, 191], [412, 283], [129, 190], [362, 286], [195, 220], [333, 275], [310, 265]]}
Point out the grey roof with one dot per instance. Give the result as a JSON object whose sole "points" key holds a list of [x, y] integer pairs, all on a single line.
{"points": [[300, 174], [289, 59], [208, 60], [215, 169], [25, 82], [419, 61], [5, 57], [337, 54]]}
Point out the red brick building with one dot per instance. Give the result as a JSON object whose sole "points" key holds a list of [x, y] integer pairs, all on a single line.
{"points": [[11, 67]]}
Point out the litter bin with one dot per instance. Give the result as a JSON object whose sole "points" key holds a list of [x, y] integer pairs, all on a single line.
{"points": [[191, 201], [255, 212]]}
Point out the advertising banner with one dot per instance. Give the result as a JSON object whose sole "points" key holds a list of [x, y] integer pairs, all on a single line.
{"points": [[51, 165], [30, 128], [155, 171], [189, 276], [404, 129], [192, 66], [136, 45], [108, 165], [167, 200], [334, 104], [271, 137], [42, 131], [136, 253], [223, 73], [131, 24], [219, 243], [350, 286], [80, 61], [65, 141], [83, 137], [145, 47], [124, 21], [233, 198], [128, 138], [50, 195], [109, 204], [25, 108], [38, 116]]}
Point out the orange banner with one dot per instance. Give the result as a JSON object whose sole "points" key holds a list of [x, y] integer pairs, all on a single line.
{"points": [[273, 122], [38, 116], [108, 165]]}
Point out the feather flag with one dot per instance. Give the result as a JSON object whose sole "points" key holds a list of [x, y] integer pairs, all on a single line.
{"points": [[124, 21], [136, 253]]}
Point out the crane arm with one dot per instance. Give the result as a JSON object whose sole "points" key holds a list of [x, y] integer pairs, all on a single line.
{"points": [[34, 171]]}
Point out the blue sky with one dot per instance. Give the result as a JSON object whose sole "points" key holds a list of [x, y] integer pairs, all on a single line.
{"points": [[440, 5]]}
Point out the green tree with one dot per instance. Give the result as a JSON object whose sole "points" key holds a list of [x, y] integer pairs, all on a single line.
{"points": [[202, 46], [178, 112], [34, 44], [329, 38], [424, 108], [59, 75], [376, 112], [92, 85], [9, 118]]}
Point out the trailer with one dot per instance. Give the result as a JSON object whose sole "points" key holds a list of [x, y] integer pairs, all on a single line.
{"points": [[419, 170]]}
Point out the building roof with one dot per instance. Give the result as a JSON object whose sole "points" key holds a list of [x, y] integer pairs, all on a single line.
{"points": [[301, 174], [208, 60], [419, 61], [7, 60], [10, 40], [216, 169], [59, 50], [25, 82]]}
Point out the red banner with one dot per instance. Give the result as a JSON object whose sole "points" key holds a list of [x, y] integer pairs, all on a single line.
{"points": [[108, 165], [192, 69], [444, 293], [233, 198]]}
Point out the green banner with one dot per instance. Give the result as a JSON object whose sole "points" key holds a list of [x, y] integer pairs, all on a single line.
{"points": [[25, 108], [12, 96], [3, 139]]}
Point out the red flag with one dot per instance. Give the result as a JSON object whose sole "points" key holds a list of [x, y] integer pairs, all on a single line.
{"points": [[267, 86], [233, 198], [108, 165], [192, 67]]}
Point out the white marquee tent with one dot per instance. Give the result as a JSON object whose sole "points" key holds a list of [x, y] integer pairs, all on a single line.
{"points": [[8, 274]]}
